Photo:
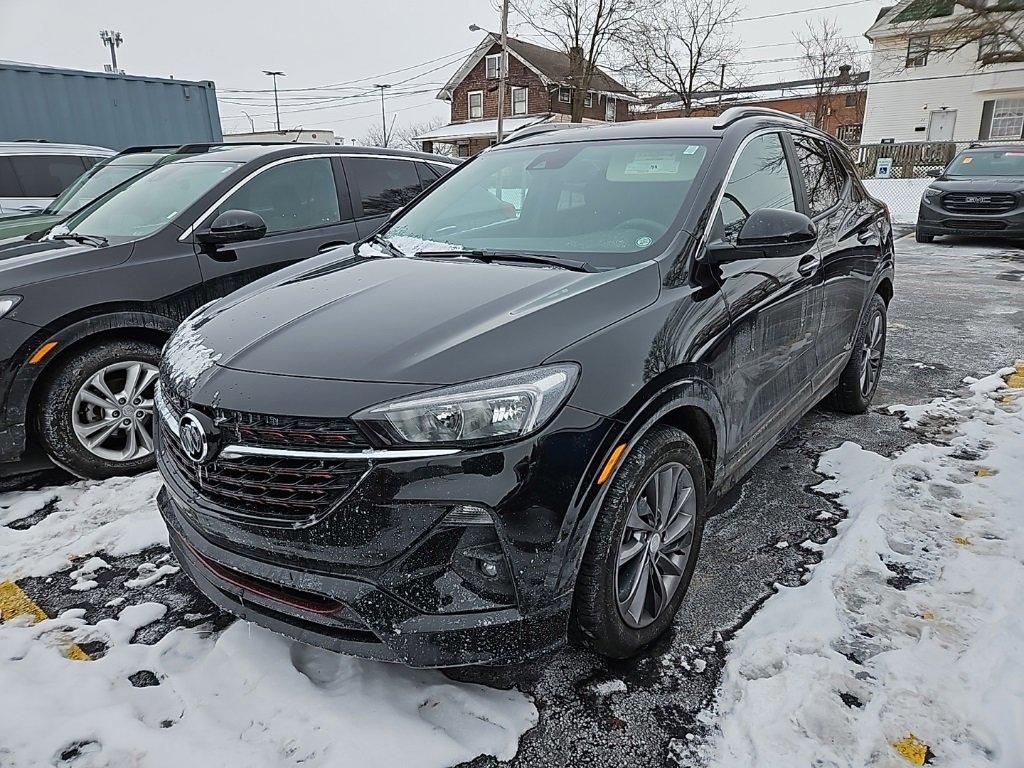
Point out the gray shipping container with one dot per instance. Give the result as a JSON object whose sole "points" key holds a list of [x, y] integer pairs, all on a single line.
{"points": [[104, 109]]}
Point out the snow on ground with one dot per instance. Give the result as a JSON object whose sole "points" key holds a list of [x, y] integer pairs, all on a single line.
{"points": [[903, 196], [905, 645], [244, 697]]}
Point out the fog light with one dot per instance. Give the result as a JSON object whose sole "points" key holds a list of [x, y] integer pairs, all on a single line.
{"points": [[468, 514], [488, 569]]}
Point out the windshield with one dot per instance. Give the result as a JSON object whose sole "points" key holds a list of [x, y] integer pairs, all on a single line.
{"points": [[149, 203], [610, 202], [988, 162], [96, 181]]}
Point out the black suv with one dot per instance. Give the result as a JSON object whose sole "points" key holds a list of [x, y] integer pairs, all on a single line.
{"points": [[508, 413], [86, 305], [980, 194]]}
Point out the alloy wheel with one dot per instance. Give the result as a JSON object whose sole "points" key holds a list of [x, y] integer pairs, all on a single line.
{"points": [[112, 413], [871, 351], [655, 544]]}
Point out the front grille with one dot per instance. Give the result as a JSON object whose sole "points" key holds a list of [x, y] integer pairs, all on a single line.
{"points": [[986, 224], [958, 202], [269, 489]]}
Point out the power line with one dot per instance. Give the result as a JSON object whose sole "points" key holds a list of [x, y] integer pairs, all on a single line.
{"points": [[803, 10]]}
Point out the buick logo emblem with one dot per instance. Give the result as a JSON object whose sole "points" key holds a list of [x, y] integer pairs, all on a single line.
{"points": [[199, 438]]}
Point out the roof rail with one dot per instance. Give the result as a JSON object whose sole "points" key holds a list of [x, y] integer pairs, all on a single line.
{"points": [[145, 148], [732, 114], [539, 128]]}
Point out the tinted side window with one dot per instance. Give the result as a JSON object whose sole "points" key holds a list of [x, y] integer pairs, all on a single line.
{"points": [[46, 175], [9, 186], [427, 174], [383, 184], [300, 194], [816, 165], [760, 179]]}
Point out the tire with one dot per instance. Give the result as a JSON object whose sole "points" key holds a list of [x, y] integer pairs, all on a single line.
{"points": [[852, 395], [604, 616], [69, 400], [923, 238]]}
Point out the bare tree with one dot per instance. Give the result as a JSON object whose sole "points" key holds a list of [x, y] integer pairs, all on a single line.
{"points": [[824, 50], [374, 137], [681, 49], [584, 30], [1000, 23], [404, 136]]}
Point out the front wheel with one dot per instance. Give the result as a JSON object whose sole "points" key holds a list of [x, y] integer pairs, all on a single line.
{"points": [[860, 377], [643, 548], [96, 410]]}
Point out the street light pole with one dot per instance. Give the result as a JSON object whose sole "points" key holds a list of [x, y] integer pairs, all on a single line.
{"points": [[277, 111], [383, 117]]}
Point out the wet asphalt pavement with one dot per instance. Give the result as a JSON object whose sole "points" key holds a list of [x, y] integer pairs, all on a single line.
{"points": [[958, 310]]}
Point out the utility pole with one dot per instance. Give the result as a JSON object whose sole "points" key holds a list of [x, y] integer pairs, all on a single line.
{"points": [[383, 118], [277, 111], [112, 39], [504, 66]]}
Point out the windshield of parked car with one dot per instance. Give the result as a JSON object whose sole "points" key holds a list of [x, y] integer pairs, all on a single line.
{"points": [[988, 162], [610, 203], [149, 203], [99, 180]]}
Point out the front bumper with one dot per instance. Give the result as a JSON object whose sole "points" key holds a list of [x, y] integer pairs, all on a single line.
{"points": [[933, 219], [394, 571]]}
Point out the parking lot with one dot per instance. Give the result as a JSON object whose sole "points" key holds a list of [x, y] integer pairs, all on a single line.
{"points": [[93, 558]]}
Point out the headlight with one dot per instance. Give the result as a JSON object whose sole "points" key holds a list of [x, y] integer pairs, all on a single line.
{"points": [[504, 407], [7, 303], [930, 194]]}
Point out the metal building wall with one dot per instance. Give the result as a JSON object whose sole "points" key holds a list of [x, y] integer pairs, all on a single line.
{"points": [[104, 109]]}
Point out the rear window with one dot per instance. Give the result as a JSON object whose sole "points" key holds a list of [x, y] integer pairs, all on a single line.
{"points": [[46, 175]]}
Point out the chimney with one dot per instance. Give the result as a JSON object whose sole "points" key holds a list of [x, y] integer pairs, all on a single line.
{"points": [[844, 74]]}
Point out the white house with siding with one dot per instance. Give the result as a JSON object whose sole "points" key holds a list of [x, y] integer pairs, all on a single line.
{"points": [[920, 90]]}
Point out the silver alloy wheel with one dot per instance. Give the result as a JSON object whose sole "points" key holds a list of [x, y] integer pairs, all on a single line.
{"points": [[655, 544], [871, 350], [112, 413]]}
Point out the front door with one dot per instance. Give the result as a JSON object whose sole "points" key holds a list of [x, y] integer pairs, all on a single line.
{"points": [[774, 305], [305, 215], [941, 125]]}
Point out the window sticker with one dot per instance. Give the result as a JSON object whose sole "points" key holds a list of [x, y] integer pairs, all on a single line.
{"points": [[657, 163], [968, 160]]}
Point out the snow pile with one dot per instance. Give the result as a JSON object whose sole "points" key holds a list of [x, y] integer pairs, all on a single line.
{"points": [[246, 698], [117, 516], [905, 644], [903, 196]]}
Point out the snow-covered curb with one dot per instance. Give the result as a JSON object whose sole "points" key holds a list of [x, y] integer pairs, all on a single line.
{"points": [[906, 643]]}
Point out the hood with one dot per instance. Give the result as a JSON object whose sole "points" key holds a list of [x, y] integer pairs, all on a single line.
{"points": [[979, 184], [406, 320], [23, 262]]}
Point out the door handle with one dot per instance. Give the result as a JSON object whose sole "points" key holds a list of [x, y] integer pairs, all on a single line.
{"points": [[332, 244], [808, 264]]}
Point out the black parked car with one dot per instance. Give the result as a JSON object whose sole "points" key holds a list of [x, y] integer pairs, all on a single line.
{"points": [[86, 305], [508, 414], [980, 194]]}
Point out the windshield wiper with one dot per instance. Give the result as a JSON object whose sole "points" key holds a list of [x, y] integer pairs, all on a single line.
{"points": [[97, 241], [390, 247], [524, 258]]}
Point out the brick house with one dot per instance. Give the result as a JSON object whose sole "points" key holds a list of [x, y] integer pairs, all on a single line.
{"points": [[843, 102], [538, 88]]}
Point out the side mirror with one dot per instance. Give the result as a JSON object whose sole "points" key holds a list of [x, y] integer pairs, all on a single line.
{"points": [[933, 173], [233, 227], [767, 233]]}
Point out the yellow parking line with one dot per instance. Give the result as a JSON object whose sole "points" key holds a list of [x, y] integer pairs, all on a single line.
{"points": [[14, 602]]}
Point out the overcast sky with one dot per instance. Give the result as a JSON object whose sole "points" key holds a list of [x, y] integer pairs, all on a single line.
{"points": [[347, 45]]}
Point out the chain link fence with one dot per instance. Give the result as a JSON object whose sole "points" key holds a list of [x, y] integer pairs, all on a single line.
{"points": [[897, 174]]}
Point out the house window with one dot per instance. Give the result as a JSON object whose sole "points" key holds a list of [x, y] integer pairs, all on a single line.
{"points": [[565, 95], [1007, 119], [989, 46], [851, 99], [520, 101], [609, 109], [492, 66], [588, 100], [917, 50], [476, 105]]}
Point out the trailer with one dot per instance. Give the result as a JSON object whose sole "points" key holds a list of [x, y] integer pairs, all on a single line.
{"points": [[104, 109]]}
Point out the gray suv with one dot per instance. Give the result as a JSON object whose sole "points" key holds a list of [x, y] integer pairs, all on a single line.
{"points": [[32, 173]]}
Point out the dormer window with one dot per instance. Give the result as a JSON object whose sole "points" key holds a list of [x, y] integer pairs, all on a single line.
{"points": [[492, 66]]}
